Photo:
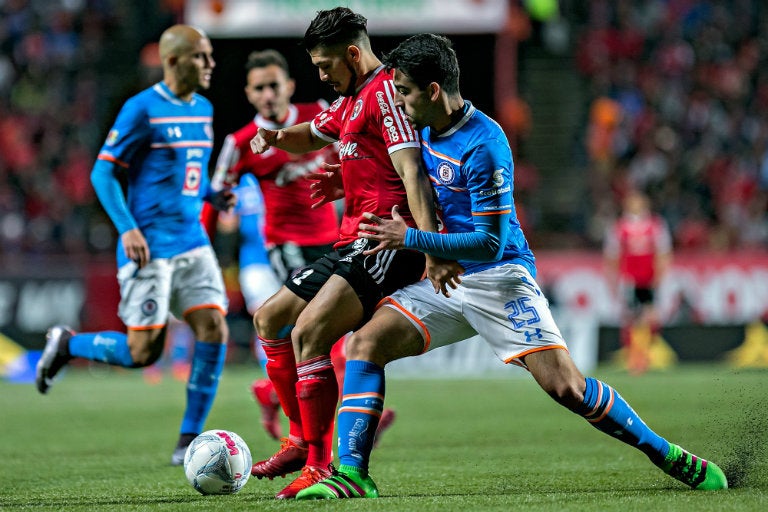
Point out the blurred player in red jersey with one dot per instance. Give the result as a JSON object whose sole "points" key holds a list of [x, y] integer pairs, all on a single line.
{"points": [[638, 253], [380, 168], [294, 233]]}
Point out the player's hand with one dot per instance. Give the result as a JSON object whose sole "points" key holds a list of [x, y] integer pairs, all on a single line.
{"points": [[326, 186], [223, 200], [443, 274], [135, 246], [390, 233], [263, 140]]}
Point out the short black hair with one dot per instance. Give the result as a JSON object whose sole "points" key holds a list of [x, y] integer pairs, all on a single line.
{"points": [[426, 58], [339, 25], [264, 58]]}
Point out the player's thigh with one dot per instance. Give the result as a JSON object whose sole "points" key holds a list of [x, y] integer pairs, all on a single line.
{"points": [[508, 309], [196, 282], [438, 319], [145, 295], [334, 311], [386, 337]]}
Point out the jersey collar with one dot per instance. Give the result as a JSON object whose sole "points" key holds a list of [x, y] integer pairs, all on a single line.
{"points": [[290, 119]]}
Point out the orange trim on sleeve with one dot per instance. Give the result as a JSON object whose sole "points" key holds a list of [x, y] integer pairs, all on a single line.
{"points": [[109, 158], [483, 214]]}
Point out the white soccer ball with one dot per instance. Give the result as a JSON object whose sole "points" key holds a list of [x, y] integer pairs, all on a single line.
{"points": [[218, 462]]}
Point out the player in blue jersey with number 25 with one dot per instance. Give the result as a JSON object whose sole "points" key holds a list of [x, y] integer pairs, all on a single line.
{"points": [[161, 142], [470, 166]]}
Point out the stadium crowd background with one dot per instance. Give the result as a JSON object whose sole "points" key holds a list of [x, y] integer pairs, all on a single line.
{"points": [[675, 102]]}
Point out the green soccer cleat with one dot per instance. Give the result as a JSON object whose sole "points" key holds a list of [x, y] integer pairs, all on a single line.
{"points": [[346, 482], [694, 471]]}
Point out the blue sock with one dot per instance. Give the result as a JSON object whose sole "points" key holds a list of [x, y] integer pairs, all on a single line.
{"points": [[207, 365], [109, 347], [361, 404], [608, 412]]}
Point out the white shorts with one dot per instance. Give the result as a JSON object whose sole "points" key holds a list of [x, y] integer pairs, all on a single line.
{"points": [[177, 285], [258, 282], [503, 304]]}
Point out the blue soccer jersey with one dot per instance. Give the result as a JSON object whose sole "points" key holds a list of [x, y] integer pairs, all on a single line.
{"points": [[471, 169], [164, 145], [250, 207]]}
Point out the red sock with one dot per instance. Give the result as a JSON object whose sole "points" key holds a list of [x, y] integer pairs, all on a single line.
{"points": [[318, 395], [281, 369]]}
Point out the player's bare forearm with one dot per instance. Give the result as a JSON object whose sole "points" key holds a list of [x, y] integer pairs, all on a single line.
{"points": [[294, 139]]}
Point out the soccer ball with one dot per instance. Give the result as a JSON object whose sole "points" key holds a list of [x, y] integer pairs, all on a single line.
{"points": [[217, 462]]}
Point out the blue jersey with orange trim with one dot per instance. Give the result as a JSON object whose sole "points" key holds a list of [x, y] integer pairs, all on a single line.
{"points": [[471, 169], [164, 144], [250, 207]]}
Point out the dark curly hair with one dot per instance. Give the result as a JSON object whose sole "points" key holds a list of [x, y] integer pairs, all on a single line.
{"points": [[336, 26], [426, 58]]}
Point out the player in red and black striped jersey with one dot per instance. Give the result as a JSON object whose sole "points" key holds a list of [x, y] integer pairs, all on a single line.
{"points": [[380, 168]]}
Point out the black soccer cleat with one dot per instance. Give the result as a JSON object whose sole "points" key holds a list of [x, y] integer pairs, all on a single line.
{"points": [[55, 356]]}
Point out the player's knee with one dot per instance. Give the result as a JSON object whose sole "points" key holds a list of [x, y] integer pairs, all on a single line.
{"points": [[310, 341], [146, 353], [565, 392], [268, 322], [362, 348], [210, 326]]}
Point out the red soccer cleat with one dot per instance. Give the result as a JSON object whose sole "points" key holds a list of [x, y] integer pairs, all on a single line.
{"points": [[264, 392], [289, 458], [309, 477]]}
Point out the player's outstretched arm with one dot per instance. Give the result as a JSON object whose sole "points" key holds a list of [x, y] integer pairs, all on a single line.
{"points": [[294, 139]]}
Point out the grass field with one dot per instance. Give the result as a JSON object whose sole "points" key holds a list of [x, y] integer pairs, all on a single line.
{"points": [[102, 440]]}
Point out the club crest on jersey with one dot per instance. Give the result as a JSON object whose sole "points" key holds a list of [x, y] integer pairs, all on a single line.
{"points": [[192, 178], [112, 137], [445, 173], [357, 109], [149, 307]]}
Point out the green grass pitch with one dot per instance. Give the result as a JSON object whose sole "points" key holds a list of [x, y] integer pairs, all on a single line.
{"points": [[102, 439]]}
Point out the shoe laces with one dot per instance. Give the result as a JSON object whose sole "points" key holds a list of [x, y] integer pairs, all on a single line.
{"points": [[311, 474]]}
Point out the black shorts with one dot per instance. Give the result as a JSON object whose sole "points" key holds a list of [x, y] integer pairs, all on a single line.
{"points": [[372, 277], [285, 259], [641, 296]]}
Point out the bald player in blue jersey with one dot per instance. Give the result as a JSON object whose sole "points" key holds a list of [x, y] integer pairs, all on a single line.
{"points": [[160, 142], [469, 162]]}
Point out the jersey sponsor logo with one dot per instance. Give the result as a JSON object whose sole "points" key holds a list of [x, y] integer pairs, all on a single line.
{"points": [[112, 137], [498, 177], [495, 191], [383, 105], [348, 149], [445, 173], [321, 120], [149, 307], [193, 153], [393, 135], [192, 178], [336, 104], [208, 129], [356, 110]]}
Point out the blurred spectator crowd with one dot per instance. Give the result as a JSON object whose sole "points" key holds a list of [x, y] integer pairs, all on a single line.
{"points": [[678, 95], [679, 109], [62, 63]]}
